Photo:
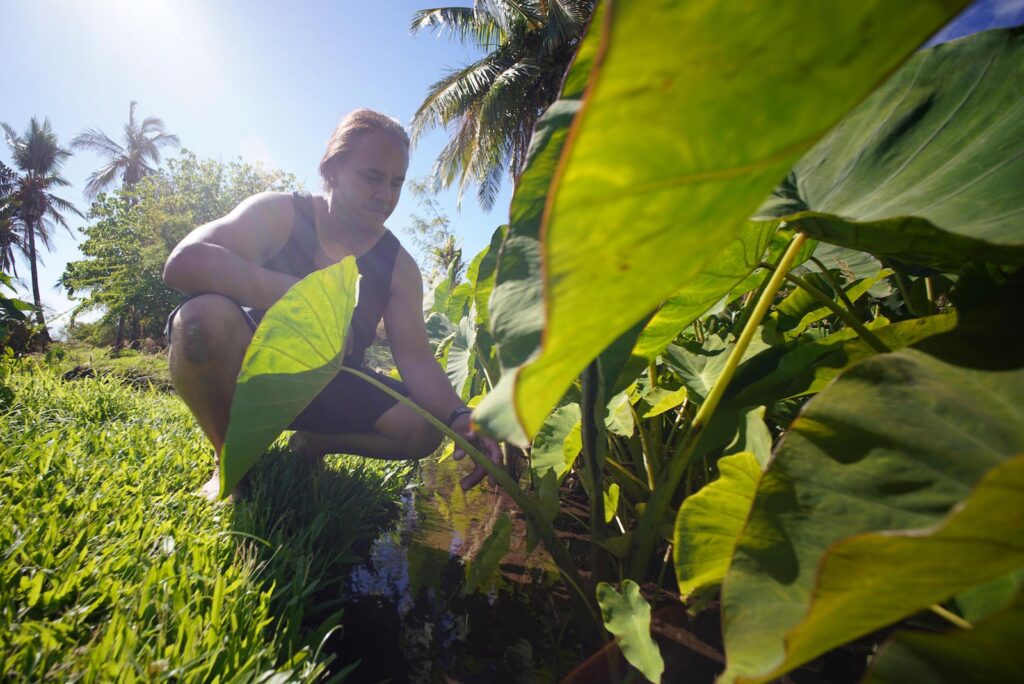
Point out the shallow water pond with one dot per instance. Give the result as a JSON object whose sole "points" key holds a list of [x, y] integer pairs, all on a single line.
{"points": [[410, 619]]}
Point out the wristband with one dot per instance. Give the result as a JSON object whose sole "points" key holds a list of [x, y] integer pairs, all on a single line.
{"points": [[461, 411]]}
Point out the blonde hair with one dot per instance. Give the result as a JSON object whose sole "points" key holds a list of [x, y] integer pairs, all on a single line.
{"points": [[353, 125]]}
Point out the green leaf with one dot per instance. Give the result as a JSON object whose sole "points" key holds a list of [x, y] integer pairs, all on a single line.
{"points": [[724, 273], [620, 418], [485, 564], [461, 361], [871, 580], [753, 436], [628, 617], [988, 653], [710, 521], [484, 277], [611, 502], [459, 302], [635, 213], [978, 602], [297, 349], [558, 443], [699, 366], [436, 297], [928, 168], [439, 328], [449, 449], [658, 400], [799, 310], [806, 368], [892, 444]]}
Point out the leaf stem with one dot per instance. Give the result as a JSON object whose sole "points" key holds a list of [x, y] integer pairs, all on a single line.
{"points": [[646, 533], [836, 286], [645, 446], [592, 409], [843, 314], [950, 616]]}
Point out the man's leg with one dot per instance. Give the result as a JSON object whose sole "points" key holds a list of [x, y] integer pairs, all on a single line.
{"points": [[399, 434], [208, 340]]}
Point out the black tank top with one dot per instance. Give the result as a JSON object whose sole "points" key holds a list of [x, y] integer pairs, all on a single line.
{"points": [[298, 258]]}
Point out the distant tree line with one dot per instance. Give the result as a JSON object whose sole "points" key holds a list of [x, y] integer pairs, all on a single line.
{"points": [[133, 230], [139, 213]]}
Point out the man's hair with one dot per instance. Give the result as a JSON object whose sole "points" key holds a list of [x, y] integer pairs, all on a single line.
{"points": [[355, 124]]}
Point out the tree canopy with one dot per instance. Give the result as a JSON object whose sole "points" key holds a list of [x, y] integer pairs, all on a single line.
{"points": [[133, 231]]}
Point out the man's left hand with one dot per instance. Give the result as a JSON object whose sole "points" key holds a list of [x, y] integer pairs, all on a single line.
{"points": [[464, 426]]}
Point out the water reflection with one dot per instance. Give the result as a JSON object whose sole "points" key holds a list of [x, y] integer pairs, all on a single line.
{"points": [[410, 620]]}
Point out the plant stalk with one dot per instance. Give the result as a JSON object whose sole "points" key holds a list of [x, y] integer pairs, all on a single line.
{"points": [[836, 285], [654, 441], [592, 415], [645, 445], [647, 531], [843, 314], [950, 616]]}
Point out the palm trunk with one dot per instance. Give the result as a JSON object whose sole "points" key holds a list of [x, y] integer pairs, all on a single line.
{"points": [[44, 336]]}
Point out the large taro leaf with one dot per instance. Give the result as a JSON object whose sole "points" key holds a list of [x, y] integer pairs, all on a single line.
{"points": [[297, 349], [893, 444], [710, 521], [990, 652], [871, 580], [483, 276], [628, 617], [802, 368], [516, 309], [928, 169], [668, 157]]}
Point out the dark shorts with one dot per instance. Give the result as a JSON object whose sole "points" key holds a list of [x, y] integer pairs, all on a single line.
{"points": [[347, 404]]}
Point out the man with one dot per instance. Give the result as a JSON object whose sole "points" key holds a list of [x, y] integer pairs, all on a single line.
{"points": [[236, 267]]}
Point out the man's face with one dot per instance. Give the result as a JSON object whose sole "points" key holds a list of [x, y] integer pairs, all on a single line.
{"points": [[367, 184]]}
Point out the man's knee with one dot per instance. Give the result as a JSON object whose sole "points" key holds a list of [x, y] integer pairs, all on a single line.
{"points": [[421, 440], [207, 327]]}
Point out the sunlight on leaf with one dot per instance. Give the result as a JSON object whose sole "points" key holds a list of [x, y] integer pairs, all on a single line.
{"points": [[295, 352], [894, 443], [630, 218]]}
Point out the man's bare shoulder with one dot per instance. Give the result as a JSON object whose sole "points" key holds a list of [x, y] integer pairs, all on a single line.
{"points": [[266, 207], [407, 271]]}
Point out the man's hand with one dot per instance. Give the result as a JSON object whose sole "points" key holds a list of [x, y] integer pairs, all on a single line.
{"points": [[463, 425]]}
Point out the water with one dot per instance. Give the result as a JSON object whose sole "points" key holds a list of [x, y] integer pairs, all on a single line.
{"points": [[411, 619]]}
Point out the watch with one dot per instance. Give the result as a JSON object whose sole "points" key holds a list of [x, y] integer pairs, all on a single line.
{"points": [[460, 411]]}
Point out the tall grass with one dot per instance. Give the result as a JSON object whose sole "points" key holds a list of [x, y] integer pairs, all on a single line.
{"points": [[112, 568]]}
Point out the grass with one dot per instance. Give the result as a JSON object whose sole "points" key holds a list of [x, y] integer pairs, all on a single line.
{"points": [[112, 568]]}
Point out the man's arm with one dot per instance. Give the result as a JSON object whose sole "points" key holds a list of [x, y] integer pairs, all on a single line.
{"points": [[225, 256], [426, 381]]}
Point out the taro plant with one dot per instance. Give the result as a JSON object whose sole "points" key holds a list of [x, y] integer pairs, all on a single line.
{"points": [[651, 342]]}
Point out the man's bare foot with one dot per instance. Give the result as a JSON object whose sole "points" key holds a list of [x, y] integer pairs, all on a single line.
{"points": [[211, 490]]}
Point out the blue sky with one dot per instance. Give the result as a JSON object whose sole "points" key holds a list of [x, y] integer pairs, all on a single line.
{"points": [[266, 81]]}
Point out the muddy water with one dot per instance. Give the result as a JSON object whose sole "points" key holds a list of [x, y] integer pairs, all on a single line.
{"points": [[411, 619]]}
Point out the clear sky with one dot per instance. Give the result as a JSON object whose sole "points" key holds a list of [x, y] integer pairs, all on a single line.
{"points": [[266, 81]]}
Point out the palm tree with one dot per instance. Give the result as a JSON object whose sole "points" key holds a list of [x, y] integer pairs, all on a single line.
{"points": [[492, 105], [131, 161], [39, 159], [8, 238]]}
